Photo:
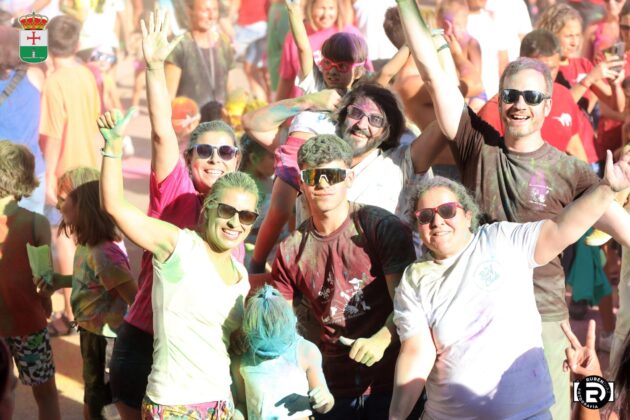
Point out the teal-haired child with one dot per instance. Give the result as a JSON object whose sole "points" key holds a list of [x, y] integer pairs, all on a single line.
{"points": [[281, 375]]}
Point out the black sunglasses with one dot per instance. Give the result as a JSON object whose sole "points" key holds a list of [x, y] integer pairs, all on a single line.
{"points": [[332, 176], [206, 151], [532, 97], [446, 211], [375, 120], [246, 217]]}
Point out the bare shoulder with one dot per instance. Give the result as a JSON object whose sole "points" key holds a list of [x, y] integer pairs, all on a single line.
{"points": [[308, 354], [36, 76]]}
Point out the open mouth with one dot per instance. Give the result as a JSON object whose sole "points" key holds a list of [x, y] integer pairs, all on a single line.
{"points": [[231, 234]]}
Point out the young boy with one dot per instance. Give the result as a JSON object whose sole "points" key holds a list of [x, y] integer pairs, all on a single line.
{"points": [[23, 311]]}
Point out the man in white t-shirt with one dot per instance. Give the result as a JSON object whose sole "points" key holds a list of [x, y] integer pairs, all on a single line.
{"points": [[465, 312]]}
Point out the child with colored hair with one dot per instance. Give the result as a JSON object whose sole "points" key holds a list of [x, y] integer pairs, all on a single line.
{"points": [[281, 375], [102, 284], [23, 311], [344, 57]]}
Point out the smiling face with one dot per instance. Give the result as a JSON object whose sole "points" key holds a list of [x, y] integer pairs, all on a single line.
{"points": [[336, 79], [226, 234], [360, 134], [521, 120], [204, 14], [323, 197], [324, 13], [205, 172], [444, 237], [570, 37]]}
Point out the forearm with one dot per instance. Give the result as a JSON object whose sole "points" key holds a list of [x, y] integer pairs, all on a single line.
{"points": [[159, 103], [268, 234], [263, 124], [52, 149], [302, 43], [469, 77], [112, 194], [616, 222], [393, 66], [387, 333], [408, 385]]}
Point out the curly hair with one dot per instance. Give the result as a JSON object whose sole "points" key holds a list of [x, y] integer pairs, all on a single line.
{"points": [[555, 17], [386, 100], [322, 149], [17, 170]]}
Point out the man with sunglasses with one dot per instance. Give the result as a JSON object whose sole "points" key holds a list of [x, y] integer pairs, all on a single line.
{"points": [[346, 261], [517, 177]]}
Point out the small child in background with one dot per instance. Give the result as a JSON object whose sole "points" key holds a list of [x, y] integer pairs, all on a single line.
{"points": [[102, 284], [23, 311], [281, 375]]}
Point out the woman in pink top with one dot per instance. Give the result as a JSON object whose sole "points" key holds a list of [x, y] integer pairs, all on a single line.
{"points": [[323, 19], [176, 192]]}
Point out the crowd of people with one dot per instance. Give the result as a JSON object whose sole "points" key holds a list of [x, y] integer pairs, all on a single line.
{"points": [[396, 218]]}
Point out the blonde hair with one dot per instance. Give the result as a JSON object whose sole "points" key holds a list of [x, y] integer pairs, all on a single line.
{"points": [[17, 170]]}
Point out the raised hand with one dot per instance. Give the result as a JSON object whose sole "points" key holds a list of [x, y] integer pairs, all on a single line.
{"points": [[617, 175], [581, 359], [321, 399], [112, 124], [155, 45]]}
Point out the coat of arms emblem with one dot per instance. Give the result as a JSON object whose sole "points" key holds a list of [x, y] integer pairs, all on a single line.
{"points": [[33, 38]]}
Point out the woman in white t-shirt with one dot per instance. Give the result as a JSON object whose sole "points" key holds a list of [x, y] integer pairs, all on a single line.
{"points": [[199, 288], [465, 312]]}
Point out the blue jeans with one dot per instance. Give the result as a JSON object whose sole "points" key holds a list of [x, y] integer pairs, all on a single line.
{"points": [[367, 407]]}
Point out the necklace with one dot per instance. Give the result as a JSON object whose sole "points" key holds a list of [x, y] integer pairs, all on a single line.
{"points": [[208, 65]]}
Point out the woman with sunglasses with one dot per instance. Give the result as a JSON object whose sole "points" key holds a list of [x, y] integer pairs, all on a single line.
{"points": [[466, 313], [176, 194], [199, 287]]}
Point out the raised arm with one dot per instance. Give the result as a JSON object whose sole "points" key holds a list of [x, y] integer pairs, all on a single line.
{"points": [[264, 123], [392, 67], [154, 235], [447, 99], [155, 46], [296, 23], [567, 227]]}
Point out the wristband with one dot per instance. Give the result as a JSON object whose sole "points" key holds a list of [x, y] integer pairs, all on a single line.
{"points": [[443, 47], [110, 155]]}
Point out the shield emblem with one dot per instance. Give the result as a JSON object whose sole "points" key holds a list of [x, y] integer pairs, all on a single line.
{"points": [[33, 38]]}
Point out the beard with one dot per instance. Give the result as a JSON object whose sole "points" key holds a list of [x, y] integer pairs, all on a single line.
{"points": [[370, 144]]}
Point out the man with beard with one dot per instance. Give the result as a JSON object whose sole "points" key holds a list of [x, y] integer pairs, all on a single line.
{"points": [[370, 120], [517, 177]]}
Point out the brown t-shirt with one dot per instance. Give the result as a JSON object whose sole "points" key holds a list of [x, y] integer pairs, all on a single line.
{"points": [[521, 187], [342, 275]]}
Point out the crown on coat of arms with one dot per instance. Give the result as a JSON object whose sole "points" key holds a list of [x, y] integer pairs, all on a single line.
{"points": [[33, 22]]}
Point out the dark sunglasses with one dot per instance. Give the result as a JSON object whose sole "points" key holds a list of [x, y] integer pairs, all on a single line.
{"points": [[206, 151], [446, 211], [246, 217], [332, 176], [375, 120], [101, 56], [532, 97], [327, 64], [624, 27]]}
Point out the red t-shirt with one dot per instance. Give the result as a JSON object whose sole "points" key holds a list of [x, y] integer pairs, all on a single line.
{"points": [[251, 11], [576, 70], [560, 125], [290, 60], [175, 201], [342, 275], [21, 309]]}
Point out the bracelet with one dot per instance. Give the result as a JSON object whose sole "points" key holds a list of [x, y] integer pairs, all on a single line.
{"points": [[443, 47], [110, 155]]}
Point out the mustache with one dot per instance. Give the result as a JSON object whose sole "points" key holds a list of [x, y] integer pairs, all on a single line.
{"points": [[360, 131]]}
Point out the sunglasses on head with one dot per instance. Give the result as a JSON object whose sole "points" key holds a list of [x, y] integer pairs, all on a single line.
{"points": [[532, 97], [327, 64], [205, 151], [332, 176], [246, 217], [375, 120], [446, 211]]}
